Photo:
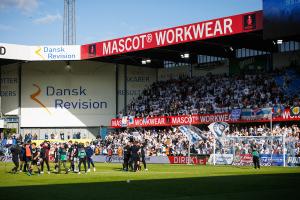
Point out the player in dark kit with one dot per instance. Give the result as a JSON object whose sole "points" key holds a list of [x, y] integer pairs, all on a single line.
{"points": [[126, 156], [135, 155], [23, 158], [45, 149], [56, 157], [143, 155], [73, 156], [16, 152], [28, 155], [35, 159]]}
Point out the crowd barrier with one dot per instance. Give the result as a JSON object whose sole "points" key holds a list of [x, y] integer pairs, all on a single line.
{"points": [[52, 141], [201, 160], [246, 160], [220, 159]]}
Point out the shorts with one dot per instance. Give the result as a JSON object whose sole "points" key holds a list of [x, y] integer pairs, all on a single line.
{"points": [[35, 162], [27, 159], [22, 159]]}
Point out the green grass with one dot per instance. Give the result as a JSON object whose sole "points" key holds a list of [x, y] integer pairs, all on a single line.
{"points": [[174, 182]]}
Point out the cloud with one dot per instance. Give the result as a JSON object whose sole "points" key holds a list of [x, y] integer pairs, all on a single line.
{"points": [[23, 5], [48, 19]]}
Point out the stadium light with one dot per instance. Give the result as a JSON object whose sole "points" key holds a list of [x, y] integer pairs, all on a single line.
{"points": [[185, 55], [68, 66], [279, 41], [146, 61]]}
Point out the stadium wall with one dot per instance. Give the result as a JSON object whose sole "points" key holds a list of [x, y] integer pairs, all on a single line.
{"points": [[9, 89], [137, 79], [185, 71], [285, 59]]}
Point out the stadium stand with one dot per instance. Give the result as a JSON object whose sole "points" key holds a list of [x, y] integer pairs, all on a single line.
{"points": [[217, 94]]}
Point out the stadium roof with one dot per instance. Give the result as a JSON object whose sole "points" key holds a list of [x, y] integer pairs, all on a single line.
{"points": [[217, 37], [219, 40]]}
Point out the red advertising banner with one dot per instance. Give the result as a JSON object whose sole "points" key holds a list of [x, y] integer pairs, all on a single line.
{"points": [[243, 160], [140, 122], [185, 160], [199, 119], [131, 122], [182, 34]]}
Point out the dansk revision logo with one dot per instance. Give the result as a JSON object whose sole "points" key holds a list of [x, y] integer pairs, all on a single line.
{"points": [[34, 98], [63, 98]]}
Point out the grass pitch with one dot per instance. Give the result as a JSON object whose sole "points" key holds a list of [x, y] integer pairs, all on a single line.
{"points": [[168, 182]]}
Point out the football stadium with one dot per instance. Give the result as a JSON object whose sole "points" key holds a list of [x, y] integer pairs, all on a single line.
{"points": [[206, 110]]}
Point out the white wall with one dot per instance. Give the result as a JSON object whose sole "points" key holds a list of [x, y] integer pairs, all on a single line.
{"points": [[97, 83]]}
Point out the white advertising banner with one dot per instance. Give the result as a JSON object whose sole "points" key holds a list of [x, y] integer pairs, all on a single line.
{"points": [[54, 95], [39, 53], [117, 159], [221, 159], [14, 51], [70, 52]]}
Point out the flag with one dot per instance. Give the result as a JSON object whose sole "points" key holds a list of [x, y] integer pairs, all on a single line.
{"points": [[295, 111], [131, 120], [124, 121], [192, 135], [219, 128], [235, 114]]}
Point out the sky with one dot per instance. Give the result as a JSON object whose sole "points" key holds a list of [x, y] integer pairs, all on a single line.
{"points": [[40, 22]]}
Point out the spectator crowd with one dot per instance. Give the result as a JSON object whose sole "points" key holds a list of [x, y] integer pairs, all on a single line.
{"points": [[167, 142], [211, 94]]}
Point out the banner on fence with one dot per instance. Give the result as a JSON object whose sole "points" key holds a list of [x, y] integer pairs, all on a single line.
{"points": [[236, 116], [243, 160], [221, 159], [271, 159], [155, 159]]}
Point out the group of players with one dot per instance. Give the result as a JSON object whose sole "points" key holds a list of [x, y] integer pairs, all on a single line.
{"points": [[28, 155], [134, 155]]}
